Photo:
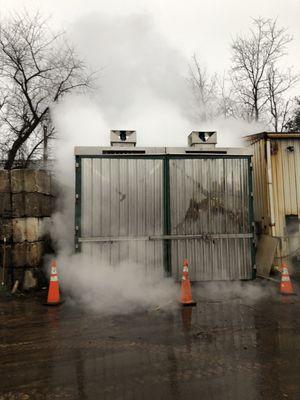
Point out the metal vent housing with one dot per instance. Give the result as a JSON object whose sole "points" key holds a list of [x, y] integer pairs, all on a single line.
{"points": [[123, 138], [202, 139]]}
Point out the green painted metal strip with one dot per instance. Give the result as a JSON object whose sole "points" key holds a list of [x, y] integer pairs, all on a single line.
{"points": [[167, 216], [251, 217], [77, 203]]}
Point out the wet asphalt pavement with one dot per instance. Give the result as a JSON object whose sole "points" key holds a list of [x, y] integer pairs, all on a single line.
{"points": [[229, 347]]}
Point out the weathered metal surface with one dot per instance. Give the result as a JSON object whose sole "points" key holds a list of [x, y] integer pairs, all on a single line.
{"points": [[211, 196], [28, 180], [203, 236], [285, 162], [260, 186], [123, 214], [122, 197], [97, 151]]}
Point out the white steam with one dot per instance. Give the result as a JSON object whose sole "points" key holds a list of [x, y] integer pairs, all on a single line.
{"points": [[142, 86], [120, 289]]}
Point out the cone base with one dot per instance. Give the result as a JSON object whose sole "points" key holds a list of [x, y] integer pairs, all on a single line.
{"points": [[191, 304], [57, 303], [288, 294]]}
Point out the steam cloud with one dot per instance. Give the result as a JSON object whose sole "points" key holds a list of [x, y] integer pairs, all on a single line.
{"points": [[142, 86]]}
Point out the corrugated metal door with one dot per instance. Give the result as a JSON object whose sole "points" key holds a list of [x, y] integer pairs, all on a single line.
{"points": [[209, 206], [121, 207], [157, 211]]}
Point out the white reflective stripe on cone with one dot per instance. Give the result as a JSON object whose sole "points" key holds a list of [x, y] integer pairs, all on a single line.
{"points": [[285, 271], [53, 271], [54, 278], [185, 269], [285, 279]]}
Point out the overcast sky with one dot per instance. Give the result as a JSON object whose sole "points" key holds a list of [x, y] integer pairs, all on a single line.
{"points": [[203, 26], [143, 48]]}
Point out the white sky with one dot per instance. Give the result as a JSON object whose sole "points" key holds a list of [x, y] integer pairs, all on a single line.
{"points": [[201, 26], [143, 48]]}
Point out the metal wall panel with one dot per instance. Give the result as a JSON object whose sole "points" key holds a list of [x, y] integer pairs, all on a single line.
{"points": [[137, 209], [122, 199], [260, 186], [286, 186], [210, 196], [286, 181]]}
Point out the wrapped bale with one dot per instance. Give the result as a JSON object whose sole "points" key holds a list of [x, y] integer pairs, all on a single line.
{"points": [[30, 181], [13, 274], [5, 205], [4, 181], [28, 254], [29, 229], [30, 280], [6, 230], [19, 254], [31, 205], [25, 208], [8, 254], [34, 254]]}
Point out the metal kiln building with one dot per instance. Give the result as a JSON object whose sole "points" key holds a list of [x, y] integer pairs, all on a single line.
{"points": [[157, 206]]}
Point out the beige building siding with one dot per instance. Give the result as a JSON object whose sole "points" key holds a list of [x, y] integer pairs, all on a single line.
{"points": [[286, 183], [260, 186]]}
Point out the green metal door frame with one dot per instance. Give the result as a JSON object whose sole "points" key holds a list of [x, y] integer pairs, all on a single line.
{"points": [[167, 216], [78, 210], [251, 216]]}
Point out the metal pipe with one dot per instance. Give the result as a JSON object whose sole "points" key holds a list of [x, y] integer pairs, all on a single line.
{"points": [[203, 236], [270, 187]]}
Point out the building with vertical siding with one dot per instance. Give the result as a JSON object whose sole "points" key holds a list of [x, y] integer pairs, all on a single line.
{"points": [[276, 185], [154, 207]]}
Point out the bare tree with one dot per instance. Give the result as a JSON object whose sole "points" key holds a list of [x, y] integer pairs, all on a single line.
{"points": [[293, 125], [37, 68], [228, 105], [279, 83], [204, 87], [252, 57]]}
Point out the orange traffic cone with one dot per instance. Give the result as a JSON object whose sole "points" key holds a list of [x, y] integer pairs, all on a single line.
{"points": [[286, 286], [53, 292], [186, 294]]}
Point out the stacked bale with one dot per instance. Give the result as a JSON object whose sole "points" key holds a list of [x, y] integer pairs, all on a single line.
{"points": [[25, 208]]}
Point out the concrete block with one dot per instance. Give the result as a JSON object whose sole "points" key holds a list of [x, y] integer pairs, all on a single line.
{"points": [[4, 181], [31, 205], [6, 230], [5, 205], [27, 180], [29, 229]]}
